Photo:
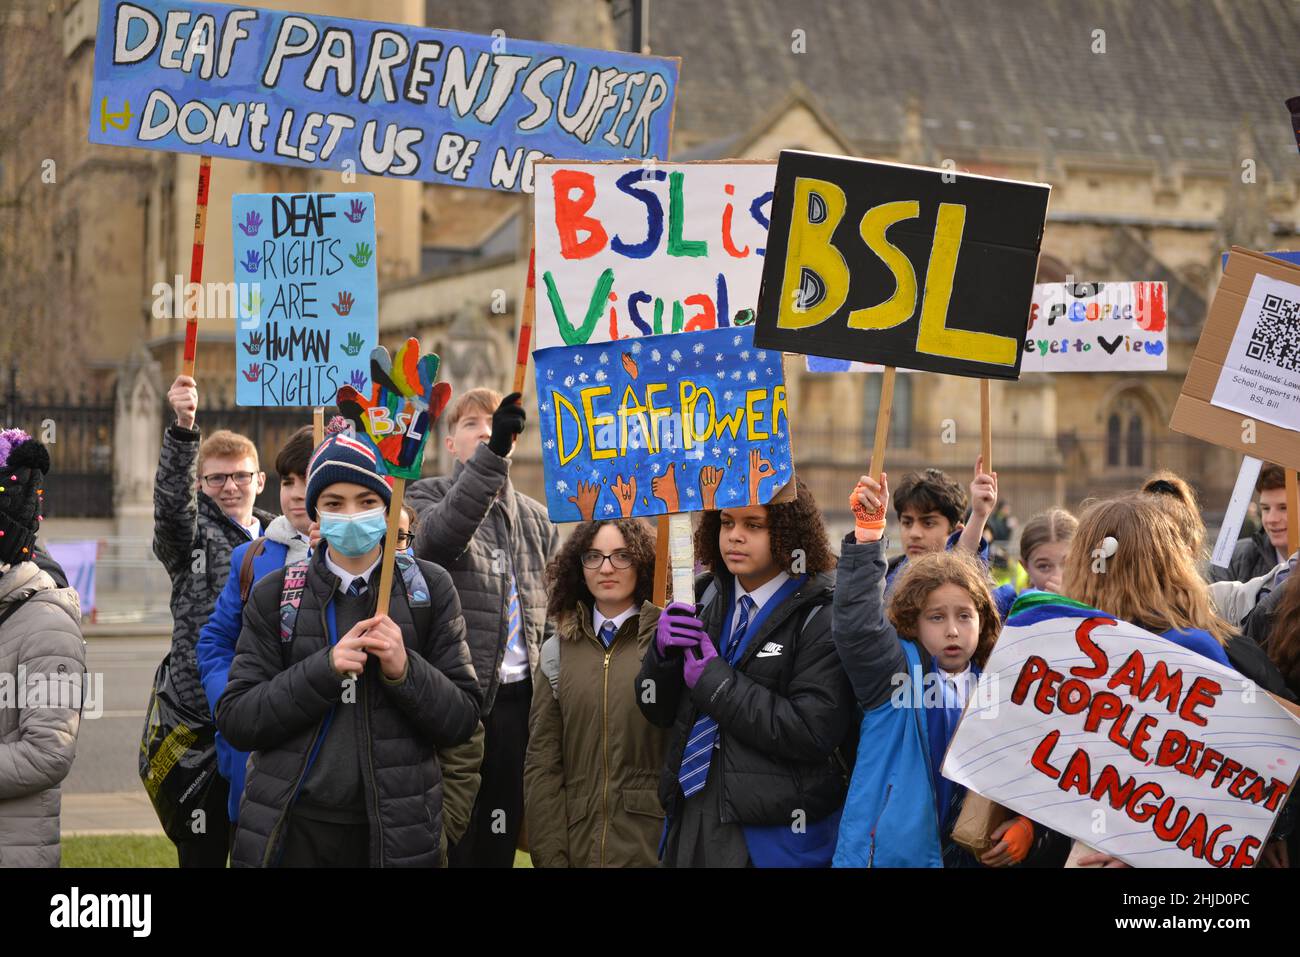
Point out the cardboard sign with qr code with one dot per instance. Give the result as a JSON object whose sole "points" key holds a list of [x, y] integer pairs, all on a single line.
{"points": [[1242, 389]]}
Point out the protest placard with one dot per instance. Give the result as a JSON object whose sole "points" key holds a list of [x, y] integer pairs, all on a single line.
{"points": [[1242, 389], [307, 295], [242, 82], [394, 422], [1097, 327], [900, 265], [662, 424], [1119, 738], [627, 250]]}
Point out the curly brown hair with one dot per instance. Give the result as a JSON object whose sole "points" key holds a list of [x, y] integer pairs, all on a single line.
{"points": [[928, 572], [795, 529], [565, 581], [1283, 644]]}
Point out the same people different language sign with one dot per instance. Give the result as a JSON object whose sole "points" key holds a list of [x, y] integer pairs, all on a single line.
{"points": [[307, 295], [660, 424], [1125, 741], [242, 82]]}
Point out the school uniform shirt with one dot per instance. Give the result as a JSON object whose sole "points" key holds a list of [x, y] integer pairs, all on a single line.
{"points": [[598, 620], [346, 577]]}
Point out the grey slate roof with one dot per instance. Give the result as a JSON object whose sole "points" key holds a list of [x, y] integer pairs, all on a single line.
{"points": [[1176, 81]]}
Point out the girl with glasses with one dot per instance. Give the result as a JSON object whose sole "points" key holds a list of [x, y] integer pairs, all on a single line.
{"points": [[593, 761]]}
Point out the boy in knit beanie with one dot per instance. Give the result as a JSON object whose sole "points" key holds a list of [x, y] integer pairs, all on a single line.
{"points": [[345, 709], [40, 639]]}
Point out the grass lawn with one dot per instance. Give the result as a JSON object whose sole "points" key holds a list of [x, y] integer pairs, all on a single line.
{"points": [[133, 850], [128, 850]]}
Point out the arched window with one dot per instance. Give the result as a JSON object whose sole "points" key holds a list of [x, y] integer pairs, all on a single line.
{"points": [[1127, 431], [1134, 450]]}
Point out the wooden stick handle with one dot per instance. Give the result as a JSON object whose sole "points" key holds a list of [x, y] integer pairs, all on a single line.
{"points": [[390, 546], [882, 422], [317, 426], [196, 264], [1292, 512], [660, 595], [526, 325], [986, 426]]}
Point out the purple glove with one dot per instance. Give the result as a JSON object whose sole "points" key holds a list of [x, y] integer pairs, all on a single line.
{"points": [[693, 664], [678, 628]]}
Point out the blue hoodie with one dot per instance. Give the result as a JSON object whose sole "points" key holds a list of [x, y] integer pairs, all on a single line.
{"points": [[217, 640]]}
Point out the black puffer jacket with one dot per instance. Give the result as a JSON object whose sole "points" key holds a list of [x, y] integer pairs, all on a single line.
{"points": [[1251, 557], [193, 538], [475, 525], [783, 718], [278, 697]]}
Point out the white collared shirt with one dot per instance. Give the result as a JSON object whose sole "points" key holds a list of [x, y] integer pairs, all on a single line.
{"points": [[760, 596], [598, 620], [956, 687], [346, 577], [254, 530]]}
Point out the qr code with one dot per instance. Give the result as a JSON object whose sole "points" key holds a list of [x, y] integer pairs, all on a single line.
{"points": [[1276, 336]]}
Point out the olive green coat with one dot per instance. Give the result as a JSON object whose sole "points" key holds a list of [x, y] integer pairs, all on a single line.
{"points": [[592, 771]]}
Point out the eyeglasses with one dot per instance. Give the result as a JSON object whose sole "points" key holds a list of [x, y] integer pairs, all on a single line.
{"points": [[594, 559], [405, 538], [218, 479]]}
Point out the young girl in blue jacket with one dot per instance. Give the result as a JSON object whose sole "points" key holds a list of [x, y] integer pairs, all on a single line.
{"points": [[1044, 543], [912, 673]]}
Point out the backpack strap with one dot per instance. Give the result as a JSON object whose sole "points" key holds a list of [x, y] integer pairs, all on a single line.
{"points": [[417, 589], [295, 580], [246, 568], [550, 664]]}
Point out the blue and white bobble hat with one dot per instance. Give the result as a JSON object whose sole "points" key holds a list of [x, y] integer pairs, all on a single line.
{"points": [[341, 458]]}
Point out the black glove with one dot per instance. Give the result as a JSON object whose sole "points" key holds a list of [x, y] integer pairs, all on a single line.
{"points": [[507, 422]]}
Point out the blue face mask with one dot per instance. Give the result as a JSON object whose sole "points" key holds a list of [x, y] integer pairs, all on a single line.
{"points": [[354, 535]]}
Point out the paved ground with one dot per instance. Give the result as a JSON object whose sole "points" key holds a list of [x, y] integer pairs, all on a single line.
{"points": [[103, 793]]}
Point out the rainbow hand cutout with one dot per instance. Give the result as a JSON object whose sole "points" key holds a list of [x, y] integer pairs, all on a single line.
{"points": [[405, 402]]}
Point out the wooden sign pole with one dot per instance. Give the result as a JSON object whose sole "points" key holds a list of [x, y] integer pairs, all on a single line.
{"points": [[660, 594], [389, 559], [196, 264], [986, 426], [883, 412], [317, 426], [526, 319], [1292, 513]]}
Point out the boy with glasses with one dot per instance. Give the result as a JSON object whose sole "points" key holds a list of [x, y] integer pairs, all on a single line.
{"points": [[203, 507]]}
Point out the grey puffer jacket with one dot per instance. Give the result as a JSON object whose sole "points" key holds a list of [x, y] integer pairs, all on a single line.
{"points": [[475, 525], [37, 743], [193, 538]]}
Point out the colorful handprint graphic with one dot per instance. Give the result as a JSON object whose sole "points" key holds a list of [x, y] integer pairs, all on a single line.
{"points": [[353, 346], [251, 224], [404, 404], [361, 255], [357, 212]]}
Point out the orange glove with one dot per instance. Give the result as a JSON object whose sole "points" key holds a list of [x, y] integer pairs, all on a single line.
{"points": [[863, 518], [1019, 837]]}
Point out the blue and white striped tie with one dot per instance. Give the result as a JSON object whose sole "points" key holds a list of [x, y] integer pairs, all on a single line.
{"points": [[607, 632], [515, 630], [704, 733]]}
